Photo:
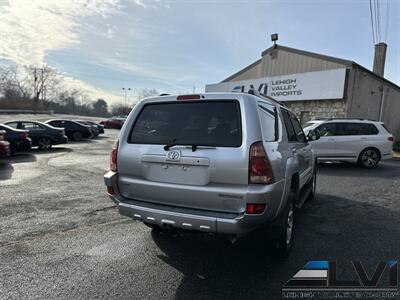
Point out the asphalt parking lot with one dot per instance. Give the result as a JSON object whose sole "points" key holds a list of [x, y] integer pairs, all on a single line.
{"points": [[61, 237]]}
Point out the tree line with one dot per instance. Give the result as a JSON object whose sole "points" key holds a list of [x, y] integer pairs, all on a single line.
{"points": [[44, 89]]}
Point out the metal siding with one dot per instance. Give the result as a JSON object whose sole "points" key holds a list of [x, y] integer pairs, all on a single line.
{"points": [[286, 63]]}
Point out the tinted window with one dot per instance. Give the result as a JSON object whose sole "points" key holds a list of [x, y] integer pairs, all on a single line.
{"points": [[356, 129], [267, 119], [203, 123], [289, 127], [298, 130], [328, 129], [30, 126]]}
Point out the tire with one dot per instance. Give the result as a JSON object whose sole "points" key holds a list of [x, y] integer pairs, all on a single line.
{"points": [[284, 242], [45, 143], [369, 158], [77, 136]]}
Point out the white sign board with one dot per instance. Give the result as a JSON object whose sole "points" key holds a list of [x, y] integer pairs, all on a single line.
{"points": [[295, 87]]}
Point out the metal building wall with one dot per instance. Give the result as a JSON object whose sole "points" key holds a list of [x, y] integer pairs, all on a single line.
{"points": [[281, 62], [364, 99]]}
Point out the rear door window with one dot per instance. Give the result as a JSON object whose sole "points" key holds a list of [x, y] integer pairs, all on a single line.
{"points": [[356, 129], [289, 127], [298, 130], [201, 123], [267, 118]]}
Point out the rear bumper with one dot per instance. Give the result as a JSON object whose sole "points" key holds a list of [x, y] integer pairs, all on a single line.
{"points": [[60, 140], [188, 218], [23, 145]]}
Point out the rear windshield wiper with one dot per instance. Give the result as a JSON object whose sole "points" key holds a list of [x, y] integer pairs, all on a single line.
{"points": [[175, 142]]}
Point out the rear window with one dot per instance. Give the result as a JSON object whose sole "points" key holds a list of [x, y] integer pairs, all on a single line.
{"points": [[205, 123]]}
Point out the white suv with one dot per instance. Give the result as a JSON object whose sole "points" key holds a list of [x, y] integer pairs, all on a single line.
{"points": [[355, 140]]}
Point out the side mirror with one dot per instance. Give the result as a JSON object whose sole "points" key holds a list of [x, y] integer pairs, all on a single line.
{"points": [[313, 136]]}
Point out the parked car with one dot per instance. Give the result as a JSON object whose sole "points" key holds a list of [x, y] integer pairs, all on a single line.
{"points": [[73, 130], [225, 163], [94, 128], [4, 145], [359, 141], [18, 139], [100, 127], [43, 135], [115, 123]]}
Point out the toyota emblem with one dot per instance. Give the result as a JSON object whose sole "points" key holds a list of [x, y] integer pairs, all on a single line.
{"points": [[173, 155]]}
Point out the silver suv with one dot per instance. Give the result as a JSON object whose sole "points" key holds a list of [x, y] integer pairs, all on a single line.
{"points": [[224, 163], [365, 142]]}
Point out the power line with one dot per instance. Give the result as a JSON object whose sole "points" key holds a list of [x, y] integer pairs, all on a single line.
{"points": [[378, 20], [387, 19], [372, 21]]}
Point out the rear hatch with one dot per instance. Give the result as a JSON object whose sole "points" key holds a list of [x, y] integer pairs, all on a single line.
{"points": [[185, 153]]}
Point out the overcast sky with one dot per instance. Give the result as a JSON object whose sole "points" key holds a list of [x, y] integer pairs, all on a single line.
{"points": [[102, 46]]}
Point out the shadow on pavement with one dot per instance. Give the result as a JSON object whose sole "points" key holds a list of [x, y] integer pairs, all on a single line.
{"points": [[327, 228], [54, 149], [6, 170], [385, 169]]}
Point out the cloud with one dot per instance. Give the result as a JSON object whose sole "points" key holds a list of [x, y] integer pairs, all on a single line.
{"points": [[31, 29]]}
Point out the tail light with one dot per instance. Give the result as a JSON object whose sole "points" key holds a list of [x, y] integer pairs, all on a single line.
{"points": [[390, 139], [113, 157], [255, 209], [260, 169], [23, 136]]}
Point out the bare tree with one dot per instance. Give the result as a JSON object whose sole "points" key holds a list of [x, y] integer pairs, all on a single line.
{"points": [[144, 93]]}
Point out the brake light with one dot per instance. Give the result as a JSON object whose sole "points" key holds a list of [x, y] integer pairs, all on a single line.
{"points": [[113, 157], [110, 190], [188, 97], [23, 136], [390, 139], [255, 208], [260, 169]]}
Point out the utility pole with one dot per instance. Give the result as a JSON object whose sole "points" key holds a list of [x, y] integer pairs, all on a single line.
{"points": [[126, 90], [34, 91]]}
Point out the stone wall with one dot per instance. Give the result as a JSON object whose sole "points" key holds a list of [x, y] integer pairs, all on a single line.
{"points": [[314, 109]]}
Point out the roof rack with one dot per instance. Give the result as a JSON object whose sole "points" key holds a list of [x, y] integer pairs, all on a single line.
{"points": [[258, 94], [358, 119]]}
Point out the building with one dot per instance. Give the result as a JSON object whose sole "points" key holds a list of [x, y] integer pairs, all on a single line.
{"points": [[319, 86]]}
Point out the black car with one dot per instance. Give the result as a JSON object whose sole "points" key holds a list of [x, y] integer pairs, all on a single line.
{"points": [[73, 130], [18, 139], [43, 135], [100, 127], [93, 127]]}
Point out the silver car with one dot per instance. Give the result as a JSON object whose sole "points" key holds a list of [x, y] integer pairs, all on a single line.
{"points": [[365, 142], [224, 163]]}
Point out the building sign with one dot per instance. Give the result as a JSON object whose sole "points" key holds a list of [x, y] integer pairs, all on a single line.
{"points": [[295, 87]]}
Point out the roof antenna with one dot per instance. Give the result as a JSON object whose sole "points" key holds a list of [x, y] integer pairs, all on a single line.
{"points": [[274, 38]]}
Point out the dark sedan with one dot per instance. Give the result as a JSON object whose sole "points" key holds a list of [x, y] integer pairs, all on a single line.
{"points": [[100, 127], [43, 135], [74, 130], [18, 139], [94, 128], [4, 145]]}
